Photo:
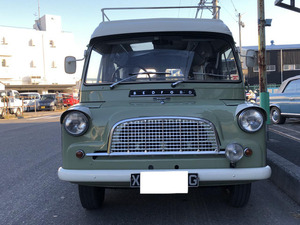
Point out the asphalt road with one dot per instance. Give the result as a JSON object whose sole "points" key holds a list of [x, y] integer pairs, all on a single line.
{"points": [[31, 192], [284, 140]]}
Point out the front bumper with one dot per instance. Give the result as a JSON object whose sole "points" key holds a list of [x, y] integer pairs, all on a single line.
{"points": [[205, 175]]}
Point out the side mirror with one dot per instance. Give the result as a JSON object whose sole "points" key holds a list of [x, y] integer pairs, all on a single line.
{"points": [[70, 64], [250, 58]]}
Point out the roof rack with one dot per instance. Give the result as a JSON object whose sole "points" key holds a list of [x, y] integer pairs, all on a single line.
{"points": [[215, 10]]}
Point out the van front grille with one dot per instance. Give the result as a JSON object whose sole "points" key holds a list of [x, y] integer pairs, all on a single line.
{"points": [[164, 136]]}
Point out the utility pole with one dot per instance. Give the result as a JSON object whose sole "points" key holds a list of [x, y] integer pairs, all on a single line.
{"points": [[264, 94], [216, 9], [241, 24]]}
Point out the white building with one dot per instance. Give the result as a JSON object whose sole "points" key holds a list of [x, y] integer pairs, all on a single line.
{"points": [[33, 59]]}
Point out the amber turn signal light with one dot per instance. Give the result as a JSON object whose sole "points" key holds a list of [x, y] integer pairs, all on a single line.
{"points": [[80, 154], [248, 152]]}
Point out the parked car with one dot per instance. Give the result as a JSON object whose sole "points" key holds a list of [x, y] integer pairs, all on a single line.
{"points": [[286, 102], [69, 99], [51, 102], [31, 101]]}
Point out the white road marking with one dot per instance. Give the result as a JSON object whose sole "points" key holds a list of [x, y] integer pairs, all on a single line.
{"points": [[285, 135], [289, 129], [44, 117]]}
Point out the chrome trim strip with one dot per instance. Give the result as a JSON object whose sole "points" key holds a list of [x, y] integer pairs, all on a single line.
{"points": [[163, 95], [155, 153], [291, 114]]}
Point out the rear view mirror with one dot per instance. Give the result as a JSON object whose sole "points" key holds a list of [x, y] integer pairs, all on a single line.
{"points": [[250, 58], [70, 64]]}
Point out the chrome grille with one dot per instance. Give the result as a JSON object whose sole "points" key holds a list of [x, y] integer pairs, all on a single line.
{"points": [[164, 135]]}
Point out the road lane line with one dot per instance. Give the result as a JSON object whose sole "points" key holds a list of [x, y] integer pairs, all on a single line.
{"points": [[44, 117], [282, 127], [285, 135]]}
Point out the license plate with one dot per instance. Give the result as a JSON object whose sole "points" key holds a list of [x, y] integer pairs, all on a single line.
{"points": [[165, 182], [43, 107]]}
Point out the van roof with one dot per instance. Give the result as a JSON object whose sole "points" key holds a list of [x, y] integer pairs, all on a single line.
{"points": [[160, 25]]}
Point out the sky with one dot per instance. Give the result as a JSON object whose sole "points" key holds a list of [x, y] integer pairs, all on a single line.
{"points": [[82, 17]]}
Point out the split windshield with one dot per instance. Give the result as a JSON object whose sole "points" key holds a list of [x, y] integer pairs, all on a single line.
{"points": [[161, 59]]}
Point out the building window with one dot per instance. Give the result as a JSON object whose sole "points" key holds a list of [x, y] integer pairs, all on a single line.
{"points": [[3, 41], [255, 69], [31, 43], [52, 45], [53, 64], [297, 66], [32, 64], [35, 77], [4, 63], [288, 67], [271, 68]]}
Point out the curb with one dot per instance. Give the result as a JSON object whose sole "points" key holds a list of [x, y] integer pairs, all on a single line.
{"points": [[285, 175], [33, 114]]}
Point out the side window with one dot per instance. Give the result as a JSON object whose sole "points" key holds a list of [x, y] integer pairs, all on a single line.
{"points": [[228, 65], [293, 87], [93, 75], [17, 95]]}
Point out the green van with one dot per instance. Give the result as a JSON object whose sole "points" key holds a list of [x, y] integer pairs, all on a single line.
{"points": [[162, 108]]}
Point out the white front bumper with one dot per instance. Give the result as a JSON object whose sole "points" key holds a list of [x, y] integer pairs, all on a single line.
{"points": [[205, 175]]}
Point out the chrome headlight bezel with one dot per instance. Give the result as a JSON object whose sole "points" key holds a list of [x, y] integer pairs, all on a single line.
{"points": [[76, 123], [251, 120]]}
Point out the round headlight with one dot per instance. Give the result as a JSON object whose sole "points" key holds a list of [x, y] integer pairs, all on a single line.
{"points": [[76, 123], [251, 120], [234, 152]]}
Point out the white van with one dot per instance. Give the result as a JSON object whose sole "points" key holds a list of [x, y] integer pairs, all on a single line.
{"points": [[30, 101], [2, 106], [12, 102]]}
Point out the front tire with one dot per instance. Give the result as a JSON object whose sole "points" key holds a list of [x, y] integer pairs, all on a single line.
{"points": [[3, 113], [91, 197], [239, 194], [276, 116], [18, 112]]}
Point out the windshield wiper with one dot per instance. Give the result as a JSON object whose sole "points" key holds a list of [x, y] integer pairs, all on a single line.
{"points": [[133, 75], [120, 81], [177, 82]]}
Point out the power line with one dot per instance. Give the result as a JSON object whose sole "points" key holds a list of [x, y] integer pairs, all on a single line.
{"points": [[230, 14], [233, 6], [179, 8]]}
